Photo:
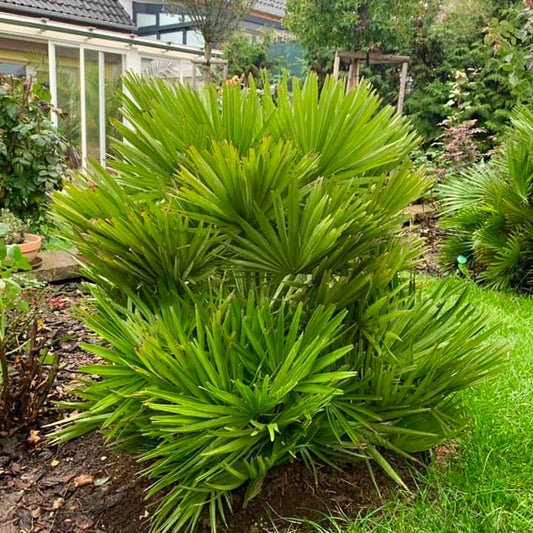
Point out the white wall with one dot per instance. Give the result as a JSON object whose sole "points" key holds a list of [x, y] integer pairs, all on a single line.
{"points": [[128, 6]]}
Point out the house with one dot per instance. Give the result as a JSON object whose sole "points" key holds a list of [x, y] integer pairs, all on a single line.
{"points": [[78, 49], [153, 19]]}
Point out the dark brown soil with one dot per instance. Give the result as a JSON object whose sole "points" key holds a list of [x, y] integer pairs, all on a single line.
{"points": [[424, 225], [77, 487], [83, 486], [291, 494]]}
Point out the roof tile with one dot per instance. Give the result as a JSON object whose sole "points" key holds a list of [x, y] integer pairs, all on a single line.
{"points": [[272, 7], [97, 12]]}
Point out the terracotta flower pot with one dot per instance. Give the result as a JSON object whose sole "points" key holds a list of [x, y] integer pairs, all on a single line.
{"points": [[31, 246]]}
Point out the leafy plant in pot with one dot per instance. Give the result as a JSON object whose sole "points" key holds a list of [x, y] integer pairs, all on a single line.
{"points": [[29, 243]]}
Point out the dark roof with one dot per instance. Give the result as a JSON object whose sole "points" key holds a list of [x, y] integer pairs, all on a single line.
{"points": [[272, 7], [103, 13]]}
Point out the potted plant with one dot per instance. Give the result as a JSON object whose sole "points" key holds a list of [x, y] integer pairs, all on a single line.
{"points": [[28, 243]]}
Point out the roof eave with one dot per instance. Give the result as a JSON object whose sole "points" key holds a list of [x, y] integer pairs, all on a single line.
{"points": [[44, 25], [24, 10]]}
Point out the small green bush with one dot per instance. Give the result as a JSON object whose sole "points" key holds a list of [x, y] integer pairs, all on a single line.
{"points": [[488, 212], [32, 163], [16, 228], [252, 292]]}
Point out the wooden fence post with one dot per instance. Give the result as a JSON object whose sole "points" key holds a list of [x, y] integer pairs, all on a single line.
{"points": [[403, 83]]}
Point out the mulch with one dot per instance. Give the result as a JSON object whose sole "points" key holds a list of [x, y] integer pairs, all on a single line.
{"points": [[84, 487], [80, 486], [423, 224]]}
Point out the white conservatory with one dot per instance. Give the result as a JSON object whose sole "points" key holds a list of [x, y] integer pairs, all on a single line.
{"points": [[78, 53]]}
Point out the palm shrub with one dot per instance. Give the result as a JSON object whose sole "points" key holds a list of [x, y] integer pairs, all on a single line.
{"points": [[250, 290], [488, 211]]}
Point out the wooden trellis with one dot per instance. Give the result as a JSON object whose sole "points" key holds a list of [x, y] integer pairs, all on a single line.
{"points": [[199, 64], [354, 71]]}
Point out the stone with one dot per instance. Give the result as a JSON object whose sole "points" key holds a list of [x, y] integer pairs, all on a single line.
{"points": [[420, 212], [56, 266]]}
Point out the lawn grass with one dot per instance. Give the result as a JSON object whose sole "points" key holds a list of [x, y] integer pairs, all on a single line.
{"points": [[487, 485]]}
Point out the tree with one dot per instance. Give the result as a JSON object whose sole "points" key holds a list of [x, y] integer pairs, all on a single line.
{"points": [[512, 40], [246, 58], [449, 39], [216, 20], [325, 25], [487, 212], [441, 37]]}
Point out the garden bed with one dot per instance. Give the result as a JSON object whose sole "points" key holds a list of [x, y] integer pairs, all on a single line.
{"points": [[83, 486]]}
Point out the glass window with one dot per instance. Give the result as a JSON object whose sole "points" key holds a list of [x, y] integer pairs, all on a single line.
{"points": [[252, 27], [113, 73], [194, 38], [12, 69], [173, 36], [24, 58], [68, 100], [170, 18], [145, 19], [92, 103], [38, 70]]}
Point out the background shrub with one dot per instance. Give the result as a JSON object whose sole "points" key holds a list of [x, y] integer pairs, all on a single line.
{"points": [[489, 40], [248, 58], [488, 212], [450, 39], [252, 291], [32, 164]]}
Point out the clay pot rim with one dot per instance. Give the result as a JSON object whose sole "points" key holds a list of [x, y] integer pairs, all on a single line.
{"points": [[31, 238], [31, 242]]}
